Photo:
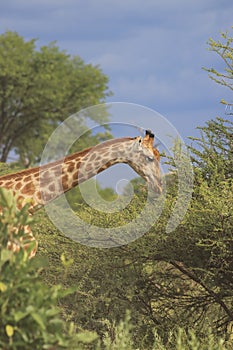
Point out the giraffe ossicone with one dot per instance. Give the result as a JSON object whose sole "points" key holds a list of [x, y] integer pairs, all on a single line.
{"points": [[41, 185]]}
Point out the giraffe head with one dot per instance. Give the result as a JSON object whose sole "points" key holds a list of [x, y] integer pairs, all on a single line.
{"points": [[145, 161], [139, 153]]}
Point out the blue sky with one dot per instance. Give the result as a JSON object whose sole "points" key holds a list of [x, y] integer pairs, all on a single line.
{"points": [[153, 50]]}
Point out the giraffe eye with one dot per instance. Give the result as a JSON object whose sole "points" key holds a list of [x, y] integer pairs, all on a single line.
{"points": [[150, 159]]}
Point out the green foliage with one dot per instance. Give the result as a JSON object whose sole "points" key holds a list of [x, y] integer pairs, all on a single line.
{"points": [[75, 199], [224, 49], [183, 279], [190, 341], [28, 308], [213, 151], [39, 88], [119, 335]]}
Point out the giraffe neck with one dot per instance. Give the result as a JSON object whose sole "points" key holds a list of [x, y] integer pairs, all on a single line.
{"points": [[42, 184]]}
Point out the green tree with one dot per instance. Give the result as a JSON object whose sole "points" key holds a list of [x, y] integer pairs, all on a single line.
{"points": [[212, 152], [39, 88], [224, 49]]}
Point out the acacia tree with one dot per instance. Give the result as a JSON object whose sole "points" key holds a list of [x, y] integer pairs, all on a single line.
{"points": [[224, 49], [196, 285], [39, 88], [213, 150]]}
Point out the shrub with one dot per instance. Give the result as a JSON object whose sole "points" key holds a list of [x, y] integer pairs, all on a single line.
{"points": [[29, 316]]}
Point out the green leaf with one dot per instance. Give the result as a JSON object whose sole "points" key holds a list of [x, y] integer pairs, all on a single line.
{"points": [[87, 337], [5, 255], [39, 320], [19, 315]]}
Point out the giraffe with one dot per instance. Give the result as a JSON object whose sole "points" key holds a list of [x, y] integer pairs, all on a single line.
{"points": [[40, 185]]}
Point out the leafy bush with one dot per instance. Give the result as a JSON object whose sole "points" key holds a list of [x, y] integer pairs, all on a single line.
{"points": [[29, 316]]}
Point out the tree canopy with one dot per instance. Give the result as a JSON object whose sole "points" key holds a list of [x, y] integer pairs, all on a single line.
{"points": [[39, 88]]}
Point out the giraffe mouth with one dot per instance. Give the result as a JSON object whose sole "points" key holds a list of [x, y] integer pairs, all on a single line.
{"points": [[154, 188]]}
